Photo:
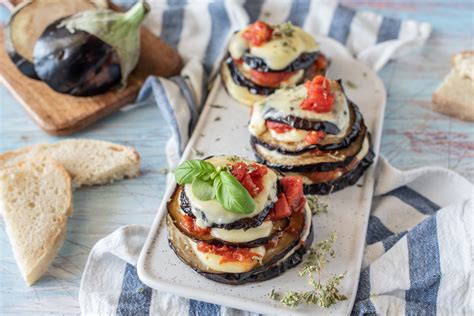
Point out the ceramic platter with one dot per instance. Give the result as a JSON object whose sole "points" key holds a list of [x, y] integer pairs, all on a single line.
{"points": [[348, 210]]}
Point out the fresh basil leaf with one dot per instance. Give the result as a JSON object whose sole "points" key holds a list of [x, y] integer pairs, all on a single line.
{"points": [[192, 169], [232, 195], [203, 190]]}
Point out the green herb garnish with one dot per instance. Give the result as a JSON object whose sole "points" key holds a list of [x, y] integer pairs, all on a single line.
{"points": [[284, 29], [316, 206], [323, 294], [209, 182]]}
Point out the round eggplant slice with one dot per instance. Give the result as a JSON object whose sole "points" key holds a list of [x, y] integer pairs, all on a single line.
{"points": [[309, 162], [177, 217], [345, 180], [76, 63], [239, 79], [243, 223], [302, 62], [282, 254], [27, 23], [330, 143]]}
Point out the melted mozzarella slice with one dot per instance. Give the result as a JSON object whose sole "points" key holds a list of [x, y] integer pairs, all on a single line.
{"points": [[287, 102], [242, 235], [213, 261], [211, 212]]}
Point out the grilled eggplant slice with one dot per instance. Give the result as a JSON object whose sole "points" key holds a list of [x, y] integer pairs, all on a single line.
{"points": [[29, 20], [308, 162], [329, 143], [243, 223], [176, 215], [286, 252], [345, 180], [304, 61]]}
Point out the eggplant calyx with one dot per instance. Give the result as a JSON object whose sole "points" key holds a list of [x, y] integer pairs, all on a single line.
{"points": [[136, 14]]}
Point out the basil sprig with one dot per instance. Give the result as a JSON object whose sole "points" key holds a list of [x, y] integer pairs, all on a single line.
{"points": [[209, 182]]}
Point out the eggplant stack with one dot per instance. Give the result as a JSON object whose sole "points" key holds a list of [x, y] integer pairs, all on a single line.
{"points": [[237, 248], [314, 131], [263, 58]]}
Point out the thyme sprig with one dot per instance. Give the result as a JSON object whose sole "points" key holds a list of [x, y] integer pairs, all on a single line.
{"points": [[323, 294], [317, 207]]}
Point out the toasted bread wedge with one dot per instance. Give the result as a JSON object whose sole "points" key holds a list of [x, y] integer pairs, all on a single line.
{"points": [[89, 162], [36, 201]]}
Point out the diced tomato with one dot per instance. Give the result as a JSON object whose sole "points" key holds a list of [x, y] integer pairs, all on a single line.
{"points": [[250, 176], [228, 253], [270, 79], [314, 137], [278, 127], [319, 98], [237, 61], [281, 209], [321, 62], [258, 33], [293, 188], [190, 224]]}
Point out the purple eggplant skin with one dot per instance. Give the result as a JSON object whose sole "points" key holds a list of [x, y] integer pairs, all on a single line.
{"points": [[302, 62], [78, 63], [244, 223]]}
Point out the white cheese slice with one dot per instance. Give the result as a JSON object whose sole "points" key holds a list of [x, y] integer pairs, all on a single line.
{"points": [[212, 261], [243, 235], [215, 213], [287, 102]]}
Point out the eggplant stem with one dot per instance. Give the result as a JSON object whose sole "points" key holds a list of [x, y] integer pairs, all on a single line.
{"points": [[136, 14]]}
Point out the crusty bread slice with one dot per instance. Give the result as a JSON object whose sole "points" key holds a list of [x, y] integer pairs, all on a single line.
{"points": [[89, 162], [455, 97], [36, 201], [464, 64]]}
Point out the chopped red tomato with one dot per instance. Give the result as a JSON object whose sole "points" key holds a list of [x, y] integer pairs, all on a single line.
{"points": [[293, 188], [190, 224], [228, 253], [278, 127], [281, 209], [314, 137], [319, 98], [258, 33], [250, 176], [321, 62], [237, 61], [270, 79]]}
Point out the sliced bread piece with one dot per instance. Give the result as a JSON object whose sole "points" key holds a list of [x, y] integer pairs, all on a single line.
{"points": [[36, 201], [89, 162], [455, 96], [464, 64]]}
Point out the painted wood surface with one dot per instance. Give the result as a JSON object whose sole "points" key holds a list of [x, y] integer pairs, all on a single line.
{"points": [[413, 136]]}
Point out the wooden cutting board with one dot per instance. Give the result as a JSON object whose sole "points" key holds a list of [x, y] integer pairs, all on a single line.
{"points": [[61, 114]]}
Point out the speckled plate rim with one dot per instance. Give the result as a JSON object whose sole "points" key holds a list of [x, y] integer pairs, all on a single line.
{"points": [[151, 280]]}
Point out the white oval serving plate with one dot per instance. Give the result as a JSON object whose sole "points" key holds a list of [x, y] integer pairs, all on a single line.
{"points": [[348, 211]]}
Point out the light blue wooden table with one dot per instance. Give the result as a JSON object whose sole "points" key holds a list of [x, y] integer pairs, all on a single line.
{"points": [[413, 136]]}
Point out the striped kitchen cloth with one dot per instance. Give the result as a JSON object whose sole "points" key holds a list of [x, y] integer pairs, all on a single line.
{"points": [[418, 258], [419, 244]]}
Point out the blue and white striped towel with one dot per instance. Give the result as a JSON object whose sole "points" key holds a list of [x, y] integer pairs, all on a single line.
{"points": [[418, 258]]}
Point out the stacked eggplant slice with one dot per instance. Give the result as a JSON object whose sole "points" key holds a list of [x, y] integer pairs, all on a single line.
{"points": [[262, 58], [314, 131], [236, 247]]}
